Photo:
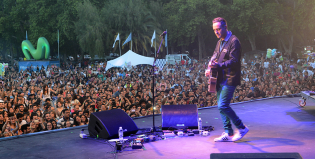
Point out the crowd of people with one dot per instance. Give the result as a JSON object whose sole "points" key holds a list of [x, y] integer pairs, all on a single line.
{"points": [[42, 99]]}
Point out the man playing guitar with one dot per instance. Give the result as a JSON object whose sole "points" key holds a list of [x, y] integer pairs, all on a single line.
{"points": [[226, 62]]}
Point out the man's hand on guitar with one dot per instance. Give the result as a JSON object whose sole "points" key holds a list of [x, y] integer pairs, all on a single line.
{"points": [[213, 64], [209, 64], [207, 73]]}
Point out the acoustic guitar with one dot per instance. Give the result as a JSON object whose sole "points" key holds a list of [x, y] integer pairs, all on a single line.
{"points": [[212, 74]]}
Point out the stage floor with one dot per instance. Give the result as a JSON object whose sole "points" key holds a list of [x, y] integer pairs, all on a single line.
{"points": [[276, 125]]}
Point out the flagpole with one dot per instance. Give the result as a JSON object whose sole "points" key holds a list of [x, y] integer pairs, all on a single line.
{"points": [[26, 34], [58, 45], [166, 46], [119, 47], [155, 45], [131, 40]]}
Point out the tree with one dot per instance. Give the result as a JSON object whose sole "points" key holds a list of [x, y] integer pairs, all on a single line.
{"points": [[90, 29], [254, 18], [41, 19], [189, 18], [13, 21], [298, 17], [131, 16], [66, 18]]}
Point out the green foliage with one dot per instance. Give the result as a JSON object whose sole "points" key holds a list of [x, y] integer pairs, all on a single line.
{"points": [[90, 29], [41, 18], [255, 18], [91, 25], [134, 16], [304, 25], [188, 19]]}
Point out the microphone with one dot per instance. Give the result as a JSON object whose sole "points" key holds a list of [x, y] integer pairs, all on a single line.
{"points": [[163, 34]]}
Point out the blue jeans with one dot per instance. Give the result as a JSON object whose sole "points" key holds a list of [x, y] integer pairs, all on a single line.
{"points": [[224, 96]]}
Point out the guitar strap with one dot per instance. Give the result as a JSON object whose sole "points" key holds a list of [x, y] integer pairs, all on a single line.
{"points": [[224, 49]]}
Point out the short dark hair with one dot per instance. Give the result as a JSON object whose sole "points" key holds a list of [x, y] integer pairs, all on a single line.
{"points": [[19, 115], [10, 114], [33, 114], [24, 127], [221, 20], [64, 110]]}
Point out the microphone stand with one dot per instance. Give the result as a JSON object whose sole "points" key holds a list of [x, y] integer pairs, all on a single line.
{"points": [[153, 70]]}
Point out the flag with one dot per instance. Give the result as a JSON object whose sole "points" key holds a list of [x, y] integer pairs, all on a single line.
{"points": [[128, 39], [153, 37], [166, 39], [117, 38]]}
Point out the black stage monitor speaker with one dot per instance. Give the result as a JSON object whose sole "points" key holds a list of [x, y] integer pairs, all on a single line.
{"points": [[255, 156], [105, 124], [179, 116]]}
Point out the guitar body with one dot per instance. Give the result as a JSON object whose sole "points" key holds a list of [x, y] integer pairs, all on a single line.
{"points": [[212, 74]]}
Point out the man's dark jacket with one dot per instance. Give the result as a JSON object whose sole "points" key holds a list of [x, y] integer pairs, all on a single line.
{"points": [[229, 61]]}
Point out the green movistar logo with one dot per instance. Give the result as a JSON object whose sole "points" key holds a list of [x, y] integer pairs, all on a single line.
{"points": [[42, 51]]}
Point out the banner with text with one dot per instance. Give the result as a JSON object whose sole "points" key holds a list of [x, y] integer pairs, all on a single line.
{"points": [[23, 65]]}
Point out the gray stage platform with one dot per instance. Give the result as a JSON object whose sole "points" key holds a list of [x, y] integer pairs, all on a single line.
{"points": [[276, 125]]}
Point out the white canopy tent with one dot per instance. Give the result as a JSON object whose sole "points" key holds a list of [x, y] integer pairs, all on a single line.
{"points": [[128, 60]]}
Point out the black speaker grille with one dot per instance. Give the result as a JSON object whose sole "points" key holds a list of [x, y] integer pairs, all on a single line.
{"points": [[105, 124], [97, 129], [98, 125]]}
